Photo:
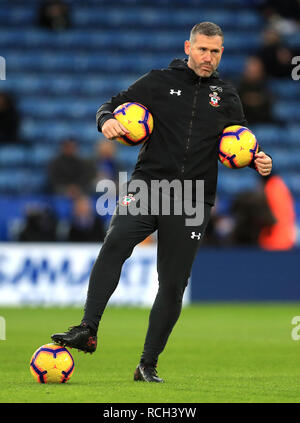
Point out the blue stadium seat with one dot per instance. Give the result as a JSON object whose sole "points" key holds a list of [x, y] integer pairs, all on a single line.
{"points": [[13, 155], [56, 130], [42, 154], [62, 85], [269, 134], [292, 181], [287, 111], [25, 84], [293, 40], [232, 181], [46, 108], [83, 62], [9, 37], [90, 39], [284, 158], [285, 89], [232, 65], [161, 17], [17, 15], [202, 3], [287, 136], [292, 133], [128, 155], [21, 181]]}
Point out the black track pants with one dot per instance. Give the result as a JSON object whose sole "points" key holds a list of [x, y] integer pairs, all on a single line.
{"points": [[177, 247]]}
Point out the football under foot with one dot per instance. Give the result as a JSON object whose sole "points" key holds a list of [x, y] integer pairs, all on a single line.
{"points": [[65, 345], [146, 373], [79, 337]]}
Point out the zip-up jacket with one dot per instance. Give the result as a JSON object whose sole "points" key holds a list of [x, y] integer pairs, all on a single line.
{"points": [[190, 113]]}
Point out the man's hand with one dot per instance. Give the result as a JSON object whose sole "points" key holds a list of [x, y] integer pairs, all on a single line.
{"points": [[263, 163], [112, 129]]}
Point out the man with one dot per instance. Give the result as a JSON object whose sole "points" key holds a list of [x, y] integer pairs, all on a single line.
{"points": [[183, 146]]}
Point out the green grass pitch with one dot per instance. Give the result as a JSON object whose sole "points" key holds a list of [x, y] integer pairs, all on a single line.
{"points": [[217, 353]]}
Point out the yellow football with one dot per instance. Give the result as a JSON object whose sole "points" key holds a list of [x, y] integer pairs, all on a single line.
{"points": [[137, 119], [237, 146]]}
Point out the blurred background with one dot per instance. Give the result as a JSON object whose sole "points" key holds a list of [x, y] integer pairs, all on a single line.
{"points": [[63, 60]]}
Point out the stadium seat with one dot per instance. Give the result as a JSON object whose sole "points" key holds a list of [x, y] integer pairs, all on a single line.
{"points": [[22, 180], [284, 89], [232, 181], [12, 155], [56, 130], [63, 108], [61, 85], [127, 155], [293, 40], [284, 159], [287, 111], [292, 181], [17, 15], [89, 39], [133, 17], [269, 134], [41, 154], [292, 133]]}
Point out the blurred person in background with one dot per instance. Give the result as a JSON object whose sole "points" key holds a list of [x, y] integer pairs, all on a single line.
{"points": [[254, 93], [39, 226], [54, 15], [85, 224], [282, 15], [276, 57], [106, 163], [68, 173], [9, 119], [251, 213], [281, 235], [218, 229]]}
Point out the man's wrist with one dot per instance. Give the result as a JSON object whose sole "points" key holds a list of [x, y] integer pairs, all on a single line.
{"points": [[103, 118]]}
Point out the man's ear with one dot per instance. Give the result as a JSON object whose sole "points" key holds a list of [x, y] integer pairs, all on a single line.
{"points": [[187, 47]]}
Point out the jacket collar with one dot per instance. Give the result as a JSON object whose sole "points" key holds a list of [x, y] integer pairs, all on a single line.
{"points": [[181, 64]]}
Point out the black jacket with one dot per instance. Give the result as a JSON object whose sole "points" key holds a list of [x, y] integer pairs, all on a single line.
{"points": [[187, 126]]}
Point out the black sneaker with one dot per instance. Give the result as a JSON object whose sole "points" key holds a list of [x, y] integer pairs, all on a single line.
{"points": [[80, 337], [147, 373]]}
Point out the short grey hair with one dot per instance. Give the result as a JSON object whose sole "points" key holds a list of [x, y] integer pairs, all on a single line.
{"points": [[209, 29]]}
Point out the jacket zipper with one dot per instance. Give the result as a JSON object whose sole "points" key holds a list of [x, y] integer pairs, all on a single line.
{"points": [[187, 145]]}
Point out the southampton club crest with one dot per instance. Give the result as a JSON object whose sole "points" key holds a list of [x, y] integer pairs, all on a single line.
{"points": [[214, 99], [127, 199]]}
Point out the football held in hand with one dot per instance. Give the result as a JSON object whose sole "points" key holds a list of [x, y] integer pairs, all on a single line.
{"points": [[237, 147], [137, 120]]}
